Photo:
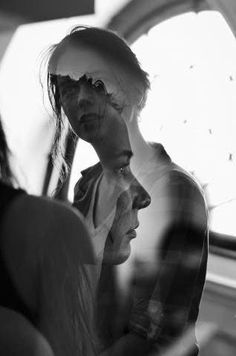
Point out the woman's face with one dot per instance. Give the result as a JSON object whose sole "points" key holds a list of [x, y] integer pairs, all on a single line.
{"points": [[93, 89]]}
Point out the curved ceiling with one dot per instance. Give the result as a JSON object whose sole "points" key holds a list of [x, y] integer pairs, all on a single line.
{"points": [[138, 16], [132, 17]]}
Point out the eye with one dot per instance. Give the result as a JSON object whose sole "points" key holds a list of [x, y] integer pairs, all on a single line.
{"points": [[98, 84], [66, 85], [117, 107], [123, 171]]}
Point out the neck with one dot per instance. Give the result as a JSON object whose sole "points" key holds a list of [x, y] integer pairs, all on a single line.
{"points": [[141, 149], [102, 149]]}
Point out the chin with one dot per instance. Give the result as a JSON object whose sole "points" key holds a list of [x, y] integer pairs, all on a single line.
{"points": [[87, 136], [90, 132], [117, 257]]}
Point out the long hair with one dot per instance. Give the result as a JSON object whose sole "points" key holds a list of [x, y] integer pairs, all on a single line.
{"points": [[80, 311], [66, 279], [63, 132]]}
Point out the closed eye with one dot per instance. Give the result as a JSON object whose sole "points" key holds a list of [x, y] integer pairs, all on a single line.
{"points": [[114, 103], [123, 171], [67, 85]]}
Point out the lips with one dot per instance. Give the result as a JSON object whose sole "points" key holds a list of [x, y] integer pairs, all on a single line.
{"points": [[131, 234], [85, 118]]}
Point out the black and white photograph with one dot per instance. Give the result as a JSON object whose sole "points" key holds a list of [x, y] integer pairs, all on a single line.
{"points": [[118, 178]]}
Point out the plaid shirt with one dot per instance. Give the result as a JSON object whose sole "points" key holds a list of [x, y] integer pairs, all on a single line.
{"points": [[168, 275]]}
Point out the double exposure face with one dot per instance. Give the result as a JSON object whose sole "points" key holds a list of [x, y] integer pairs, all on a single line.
{"points": [[99, 98], [92, 90], [122, 191]]}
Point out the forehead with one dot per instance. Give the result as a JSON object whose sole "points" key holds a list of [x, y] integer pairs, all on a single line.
{"points": [[119, 143], [116, 146], [120, 147], [124, 153], [78, 60], [116, 157]]}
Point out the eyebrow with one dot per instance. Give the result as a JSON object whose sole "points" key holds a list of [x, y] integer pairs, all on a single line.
{"points": [[64, 78], [127, 153], [68, 76]]}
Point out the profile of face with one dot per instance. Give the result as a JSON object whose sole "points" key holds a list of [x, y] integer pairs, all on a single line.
{"points": [[123, 191], [92, 89], [117, 248]]}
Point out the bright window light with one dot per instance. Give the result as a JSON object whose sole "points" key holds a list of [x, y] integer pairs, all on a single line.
{"points": [[191, 107]]}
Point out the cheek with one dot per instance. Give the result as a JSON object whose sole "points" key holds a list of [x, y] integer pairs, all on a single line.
{"points": [[124, 200], [124, 205], [68, 107], [70, 115]]}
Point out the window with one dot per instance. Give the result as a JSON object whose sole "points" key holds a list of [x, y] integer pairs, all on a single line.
{"points": [[191, 106]]}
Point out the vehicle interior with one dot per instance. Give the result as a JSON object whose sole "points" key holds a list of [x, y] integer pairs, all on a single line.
{"points": [[191, 104]]}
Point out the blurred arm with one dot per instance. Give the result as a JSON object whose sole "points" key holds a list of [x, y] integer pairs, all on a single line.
{"points": [[168, 297], [168, 285]]}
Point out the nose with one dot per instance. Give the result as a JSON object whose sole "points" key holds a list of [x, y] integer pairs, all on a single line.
{"points": [[141, 198], [85, 96]]}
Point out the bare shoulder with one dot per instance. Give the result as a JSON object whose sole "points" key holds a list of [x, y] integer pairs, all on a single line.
{"points": [[180, 180], [187, 196], [181, 196]]}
